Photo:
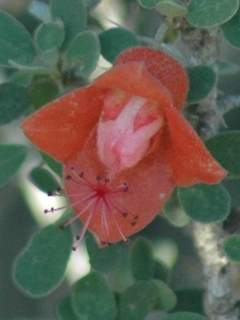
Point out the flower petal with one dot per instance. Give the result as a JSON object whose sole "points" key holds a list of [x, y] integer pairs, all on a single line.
{"points": [[61, 127], [149, 186], [163, 67], [189, 158], [133, 77]]}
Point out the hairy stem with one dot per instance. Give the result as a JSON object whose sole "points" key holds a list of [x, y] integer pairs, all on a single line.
{"points": [[202, 47]]}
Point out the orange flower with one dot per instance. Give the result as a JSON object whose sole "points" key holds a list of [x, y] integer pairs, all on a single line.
{"points": [[124, 143]]}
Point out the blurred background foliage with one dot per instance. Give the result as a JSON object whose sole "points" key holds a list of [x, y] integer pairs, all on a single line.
{"points": [[51, 47]]}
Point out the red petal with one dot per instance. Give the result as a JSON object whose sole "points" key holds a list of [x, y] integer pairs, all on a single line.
{"points": [[189, 158], [61, 127], [163, 67], [149, 186], [134, 78]]}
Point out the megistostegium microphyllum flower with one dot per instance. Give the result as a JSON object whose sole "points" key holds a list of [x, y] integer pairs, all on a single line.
{"points": [[124, 143]]}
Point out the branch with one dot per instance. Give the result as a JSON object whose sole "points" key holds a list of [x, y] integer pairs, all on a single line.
{"points": [[201, 46]]}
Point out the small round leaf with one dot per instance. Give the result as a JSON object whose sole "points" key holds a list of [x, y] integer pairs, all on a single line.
{"points": [[115, 40], [232, 248], [231, 30], [171, 9], [138, 300], [73, 13], [15, 41], [65, 310], [210, 13], [106, 259], [50, 35], [40, 268], [84, 52], [174, 213], [202, 79], [11, 158], [166, 298], [14, 102], [225, 148], [92, 299], [148, 3], [185, 316], [43, 180], [142, 260], [206, 203]]}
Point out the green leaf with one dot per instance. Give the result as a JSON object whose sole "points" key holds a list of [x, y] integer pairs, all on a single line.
{"points": [[73, 13], [11, 158], [166, 298], [171, 9], [50, 35], [232, 248], [92, 299], [174, 212], [210, 13], [202, 80], [65, 310], [138, 300], [231, 119], [40, 268], [185, 316], [43, 90], [84, 52], [142, 261], [104, 259], [14, 102], [148, 3], [15, 41], [54, 165], [114, 41], [190, 300], [225, 148], [233, 187], [44, 180], [21, 78], [231, 30], [206, 203]]}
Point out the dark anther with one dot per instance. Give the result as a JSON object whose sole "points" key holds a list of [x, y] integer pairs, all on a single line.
{"points": [[68, 177], [50, 193], [59, 189], [52, 209], [77, 237], [135, 217], [133, 223], [45, 211], [72, 168], [125, 214], [98, 178], [81, 174], [74, 248]]}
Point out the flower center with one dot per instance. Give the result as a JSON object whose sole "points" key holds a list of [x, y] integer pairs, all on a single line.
{"points": [[126, 128]]}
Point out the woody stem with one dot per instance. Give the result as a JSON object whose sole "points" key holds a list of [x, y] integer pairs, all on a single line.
{"points": [[202, 48]]}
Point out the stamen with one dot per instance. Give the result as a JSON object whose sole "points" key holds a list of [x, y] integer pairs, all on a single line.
{"points": [[73, 219], [104, 222], [86, 224], [114, 219]]}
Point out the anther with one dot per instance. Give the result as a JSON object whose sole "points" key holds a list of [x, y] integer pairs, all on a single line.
{"points": [[77, 238], [74, 248], [133, 223], [125, 214], [68, 177]]}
